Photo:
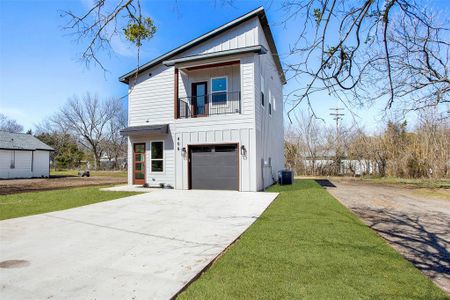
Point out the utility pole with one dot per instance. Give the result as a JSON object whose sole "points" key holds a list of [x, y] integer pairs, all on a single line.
{"points": [[337, 115]]}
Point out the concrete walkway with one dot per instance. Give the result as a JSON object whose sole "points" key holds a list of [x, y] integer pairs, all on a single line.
{"points": [[130, 188], [146, 246]]}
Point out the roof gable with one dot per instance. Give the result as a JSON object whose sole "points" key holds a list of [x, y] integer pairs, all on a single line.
{"points": [[259, 12], [21, 141]]}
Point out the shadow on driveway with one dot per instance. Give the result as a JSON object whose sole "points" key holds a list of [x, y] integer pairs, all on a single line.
{"points": [[425, 249], [325, 183]]}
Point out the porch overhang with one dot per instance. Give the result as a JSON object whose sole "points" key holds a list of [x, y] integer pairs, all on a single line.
{"points": [[259, 49], [145, 129]]}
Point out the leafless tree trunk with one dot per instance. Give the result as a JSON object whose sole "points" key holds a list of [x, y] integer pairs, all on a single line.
{"points": [[116, 144], [89, 120]]}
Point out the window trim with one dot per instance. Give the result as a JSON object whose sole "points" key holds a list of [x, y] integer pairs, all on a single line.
{"points": [[262, 88], [157, 159], [270, 106], [224, 91]]}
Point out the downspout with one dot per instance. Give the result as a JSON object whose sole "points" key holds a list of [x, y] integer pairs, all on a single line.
{"points": [[32, 163]]}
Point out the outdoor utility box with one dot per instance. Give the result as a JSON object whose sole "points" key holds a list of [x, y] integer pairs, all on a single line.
{"points": [[285, 177]]}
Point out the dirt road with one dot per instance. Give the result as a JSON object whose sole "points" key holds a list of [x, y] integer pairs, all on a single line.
{"points": [[413, 222]]}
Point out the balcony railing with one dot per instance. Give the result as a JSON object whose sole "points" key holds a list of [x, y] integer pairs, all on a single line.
{"points": [[211, 104]]}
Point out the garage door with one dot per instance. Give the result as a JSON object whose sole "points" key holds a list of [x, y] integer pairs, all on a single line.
{"points": [[214, 167]]}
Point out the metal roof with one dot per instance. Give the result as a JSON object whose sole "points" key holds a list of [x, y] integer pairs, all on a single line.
{"points": [[256, 49], [21, 141], [135, 130], [259, 12]]}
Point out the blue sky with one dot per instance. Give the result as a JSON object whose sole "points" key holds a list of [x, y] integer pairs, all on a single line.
{"points": [[40, 67]]}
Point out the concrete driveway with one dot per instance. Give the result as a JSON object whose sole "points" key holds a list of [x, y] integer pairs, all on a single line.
{"points": [[141, 247]]}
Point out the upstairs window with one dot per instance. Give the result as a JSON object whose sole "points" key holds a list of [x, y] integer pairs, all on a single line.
{"points": [[219, 88], [262, 90], [270, 102], [157, 157]]}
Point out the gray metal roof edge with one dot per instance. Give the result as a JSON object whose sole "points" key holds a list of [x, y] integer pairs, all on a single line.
{"points": [[142, 128], [26, 149], [272, 46], [256, 12], [28, 136], [256, 49]]}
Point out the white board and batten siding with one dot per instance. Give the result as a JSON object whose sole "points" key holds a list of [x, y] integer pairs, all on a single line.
{"points": [[244, 35], [269, 128], [242, 136], [24, 164], [151, 102]]}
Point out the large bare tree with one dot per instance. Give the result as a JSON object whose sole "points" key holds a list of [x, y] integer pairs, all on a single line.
{"points": [[115, 146], [396, 51], [91, 121]]}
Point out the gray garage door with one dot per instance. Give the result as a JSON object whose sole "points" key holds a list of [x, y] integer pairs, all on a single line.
{"points": [[214, 167]]}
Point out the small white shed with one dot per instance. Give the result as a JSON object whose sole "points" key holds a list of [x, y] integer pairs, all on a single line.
{"points": [[23, 156]]}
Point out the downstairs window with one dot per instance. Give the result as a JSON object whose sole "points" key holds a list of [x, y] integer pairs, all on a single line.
{"points": [[157, 157]]}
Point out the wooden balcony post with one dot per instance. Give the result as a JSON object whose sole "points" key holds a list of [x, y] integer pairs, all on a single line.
{"points": [[175, 103]]}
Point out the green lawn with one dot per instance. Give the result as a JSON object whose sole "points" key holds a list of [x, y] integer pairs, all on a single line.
{"points": [[25, 204], [307, 245]]}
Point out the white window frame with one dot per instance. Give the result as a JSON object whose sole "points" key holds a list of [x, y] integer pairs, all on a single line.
{"points": [[263, 92], [162, 159], [269, 104], [226, 90]]}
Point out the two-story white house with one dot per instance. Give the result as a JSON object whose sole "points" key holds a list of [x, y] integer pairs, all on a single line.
{"points": [[209, 114]]}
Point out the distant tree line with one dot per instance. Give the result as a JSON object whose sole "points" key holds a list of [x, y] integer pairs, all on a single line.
{"points": [[311, 148], [9, 125]]}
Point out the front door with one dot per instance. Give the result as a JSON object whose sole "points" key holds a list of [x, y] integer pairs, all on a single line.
{"points": [[139, 163], [199, 99]]}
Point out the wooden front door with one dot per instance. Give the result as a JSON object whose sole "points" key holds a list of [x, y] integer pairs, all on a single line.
{"points": [[139, 163], [199, 99]]}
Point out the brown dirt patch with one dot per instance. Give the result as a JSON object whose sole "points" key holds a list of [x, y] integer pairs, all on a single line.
{"points": [[14, 186]]}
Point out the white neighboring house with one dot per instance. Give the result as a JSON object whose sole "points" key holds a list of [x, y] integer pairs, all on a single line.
{"points": [[23, 156], [209, 114]]}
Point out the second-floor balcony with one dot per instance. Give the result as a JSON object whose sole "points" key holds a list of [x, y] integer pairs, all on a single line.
{"points": [[203, 105]]}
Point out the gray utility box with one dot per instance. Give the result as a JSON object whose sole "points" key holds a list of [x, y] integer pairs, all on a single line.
{"points": [[285, 177]]}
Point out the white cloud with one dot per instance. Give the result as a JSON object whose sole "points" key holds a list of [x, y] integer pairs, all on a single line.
{"points": [[88, 3], [122, 47]]}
